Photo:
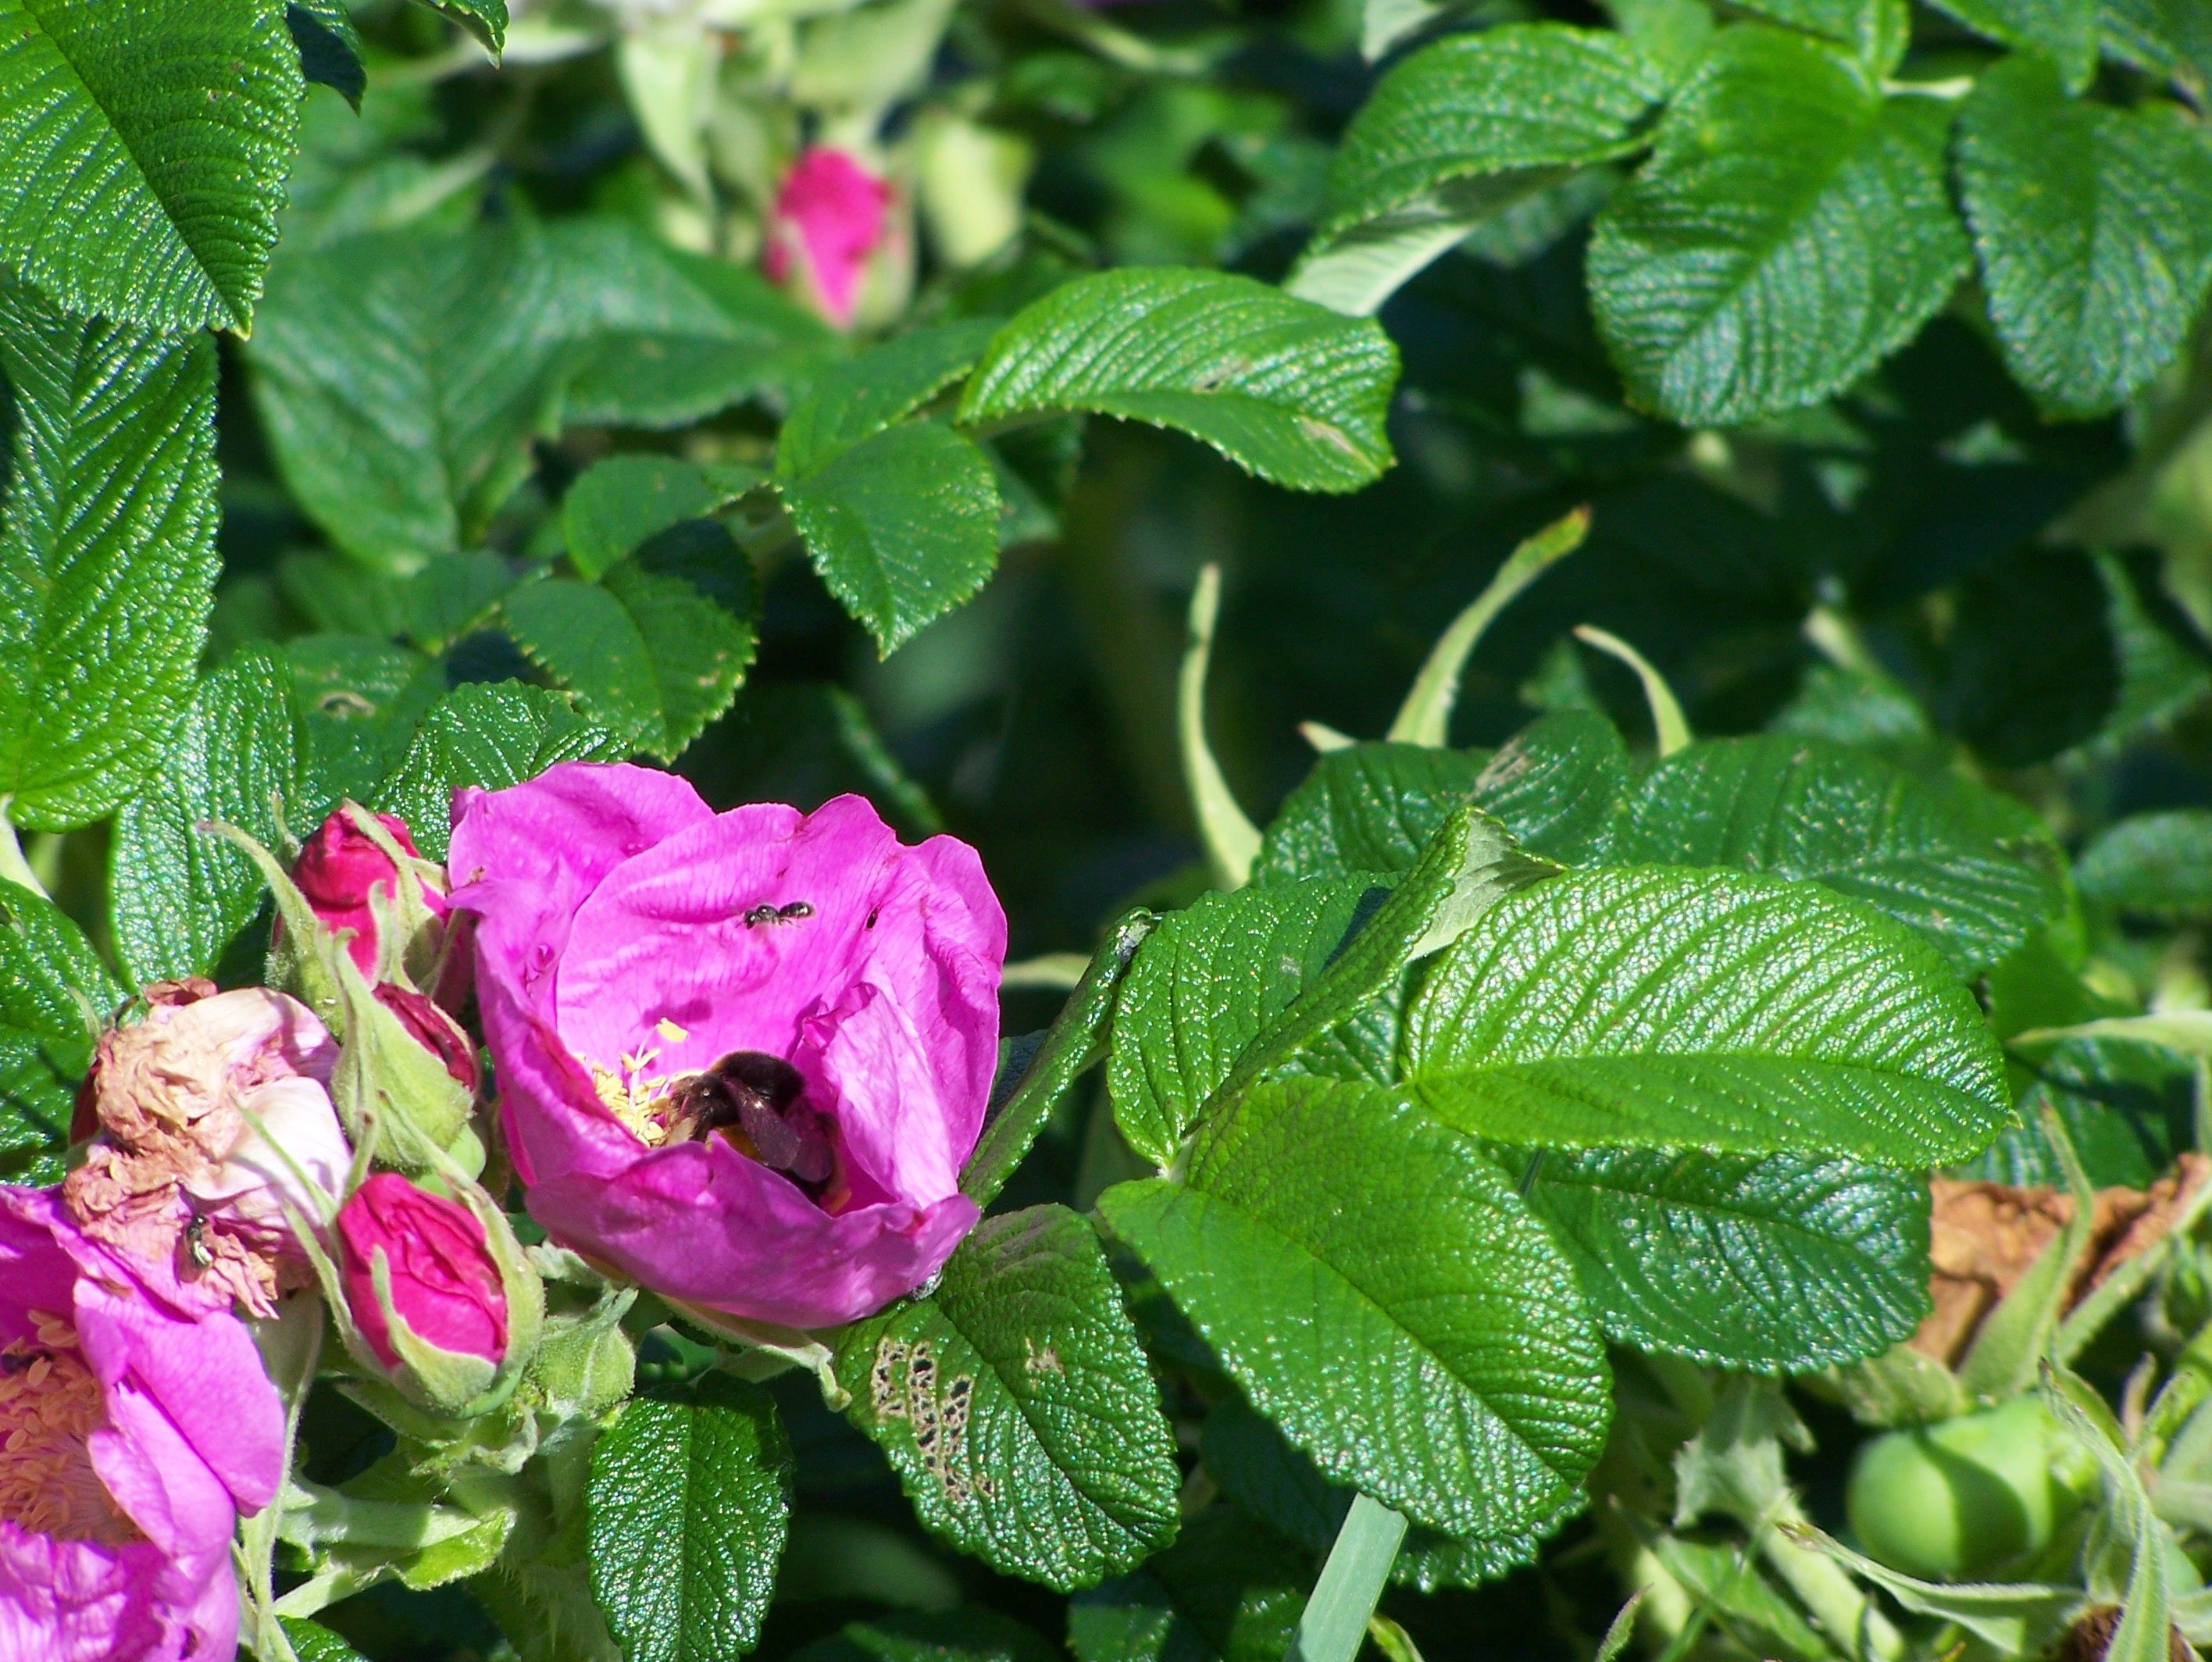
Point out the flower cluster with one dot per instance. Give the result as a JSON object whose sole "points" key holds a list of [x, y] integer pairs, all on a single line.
{"points": [[740, 1057]]}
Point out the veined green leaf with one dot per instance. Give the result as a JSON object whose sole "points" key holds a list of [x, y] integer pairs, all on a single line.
{"points": [[1655, 1007], [1377, 1288], [619, 504], [854, 400], [107, 556], [2094, 229], [2062, 31], [1285, 389], [178, 894], [1018, 1407], [1364, 808], [903, 526], [1229, 1590], [2154, 865], [484, 19], [144, 147], [686, 1507], [361, 698], [1557, 784], [1207, 983], [330, 46], [1462, 129], [1767, 1263], [1876, 30], [2169, 38], [55, 995], [1790, 232], [1803, 808]]}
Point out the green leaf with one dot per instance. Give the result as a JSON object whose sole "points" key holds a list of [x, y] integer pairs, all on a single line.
{"points": [[1767, 1263], [108, 559], [1790, 231], [849, 401], [1653, 1007], [2094, 230], [55, 995], [1557, 783], [316, 1643], [1332, 1628], [1228, 1590], [361, 698], [903, 526], [486, 19], [966, 1634], [178, 894], [2062, 31], [652, 651], [1261, 1472], [625, 502], [2154, 865], [451, 596], [1285, 389], [2169, 38], [491, 735], [1208, 982], [1017, 1405], [1364, 808], [401, 377], [1804, 807], [1076, 1039], [143, 153], [663, 338], [330, 46], [1459, 132], [1876, 30], [1380, 1293], [686, 1509]]}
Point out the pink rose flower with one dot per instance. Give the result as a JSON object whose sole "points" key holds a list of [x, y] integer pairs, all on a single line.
{"points": [[131, 1436], [339, 867], [828, 218], [445, 1282], [742, 1057], [435, 1031], [181, 1177]]}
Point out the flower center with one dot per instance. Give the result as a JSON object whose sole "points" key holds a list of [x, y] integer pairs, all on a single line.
{"points": [[50, 1404], [755, 1101]]}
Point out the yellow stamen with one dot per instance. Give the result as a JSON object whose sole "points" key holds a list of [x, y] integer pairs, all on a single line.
{"points": [[49, 1404]]}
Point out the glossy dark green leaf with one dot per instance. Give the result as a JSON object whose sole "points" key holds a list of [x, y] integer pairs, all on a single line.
{"points": [[1557, 784], [1228, 1591], [1366, 808], [851, 401], [55, 994]]}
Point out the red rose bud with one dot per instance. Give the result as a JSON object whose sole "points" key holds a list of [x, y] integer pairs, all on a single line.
{"points": [[435, 1031], [442, 1279], [342, 866]]}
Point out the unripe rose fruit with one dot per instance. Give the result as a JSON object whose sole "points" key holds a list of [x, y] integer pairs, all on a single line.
{"points": [[1957, 1498]]}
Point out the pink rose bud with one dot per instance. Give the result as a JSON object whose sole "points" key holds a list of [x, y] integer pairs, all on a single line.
{"points": [[340, 866], [827, 218], [742, 1057], [435, 1031], [443, 1279], [213, 1112], [132, 1434]]}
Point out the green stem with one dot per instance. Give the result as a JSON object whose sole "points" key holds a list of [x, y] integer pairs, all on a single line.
{"points": [[1351, 1581]]}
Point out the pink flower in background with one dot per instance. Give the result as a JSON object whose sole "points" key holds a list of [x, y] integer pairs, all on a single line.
{"points": [[339, 867], [181, 1177], [828, 218], [445, 1283], [131, 1436], [742, 1057]]}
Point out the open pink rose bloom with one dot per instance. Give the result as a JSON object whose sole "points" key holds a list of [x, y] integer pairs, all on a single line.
{"points": [[741, 1057], [132, 1435]]}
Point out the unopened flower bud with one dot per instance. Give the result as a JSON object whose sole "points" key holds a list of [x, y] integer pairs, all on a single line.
{"points": [[435, 1031], [436, 1290], [828, 219], [349, 873]]}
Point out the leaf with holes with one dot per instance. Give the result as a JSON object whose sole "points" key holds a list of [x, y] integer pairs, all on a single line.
{"points": [[1771, 1263], [2094, 229], [1285, 389], [55, 995], [1463, 129], [1017, 1405], [1790, 231], [1207, 983], [1377, 1290], [903, 526], [1653, 1007], [108, 559], [1805, 808], [492, 736], [143, 153], [685, 1511], [178, 893]]}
